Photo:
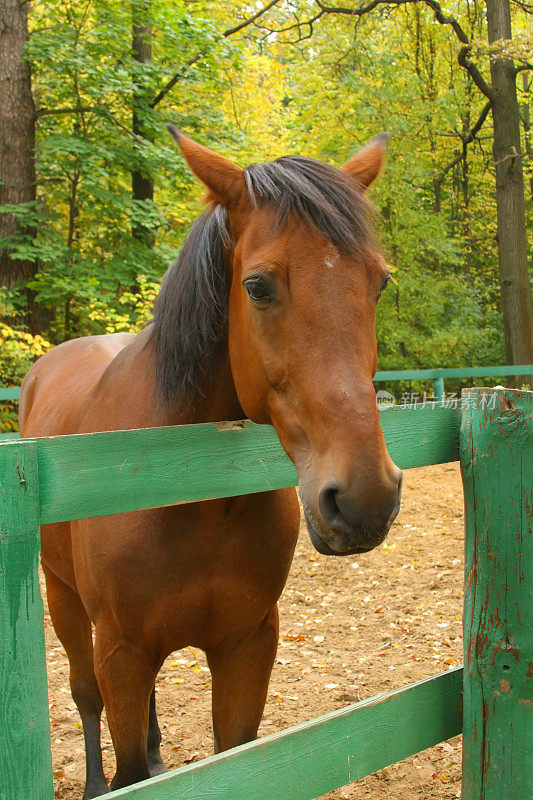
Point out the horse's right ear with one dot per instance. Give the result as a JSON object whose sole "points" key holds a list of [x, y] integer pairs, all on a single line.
{"points": [[223, 179], [365, 165]]}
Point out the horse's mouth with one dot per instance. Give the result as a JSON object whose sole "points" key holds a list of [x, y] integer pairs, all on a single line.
{"points": [[323, 547]]}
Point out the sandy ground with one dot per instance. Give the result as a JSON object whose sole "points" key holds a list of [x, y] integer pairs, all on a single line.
{"points": [[350, 628]]}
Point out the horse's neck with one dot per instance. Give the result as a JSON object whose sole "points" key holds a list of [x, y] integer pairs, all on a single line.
{"points": [[219, 404]]}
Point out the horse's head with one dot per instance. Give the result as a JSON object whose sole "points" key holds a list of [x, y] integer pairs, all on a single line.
{"points": [[304, 284]]}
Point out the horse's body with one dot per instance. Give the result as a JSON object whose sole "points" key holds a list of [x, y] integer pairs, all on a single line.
{"points": [[225, 562], [209, 574]]}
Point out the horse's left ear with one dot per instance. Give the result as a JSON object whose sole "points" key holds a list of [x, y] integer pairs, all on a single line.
{"points": [[366, 164], [224, 179]]}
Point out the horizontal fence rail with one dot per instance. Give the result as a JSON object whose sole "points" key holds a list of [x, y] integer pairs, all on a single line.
{"points": [[438, 375], [452, 372], [9, 393], [95, 474], [316, 757]]}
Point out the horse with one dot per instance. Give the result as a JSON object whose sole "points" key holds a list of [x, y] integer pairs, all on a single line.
{"points": [[267, 313]]}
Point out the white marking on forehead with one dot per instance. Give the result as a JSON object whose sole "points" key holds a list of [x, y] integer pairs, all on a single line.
{"points": [[331, 258]]}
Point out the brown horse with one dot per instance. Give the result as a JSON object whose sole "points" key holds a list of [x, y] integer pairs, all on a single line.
{"points": [[269, 313]]}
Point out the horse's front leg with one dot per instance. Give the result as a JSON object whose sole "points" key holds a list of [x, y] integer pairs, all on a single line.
{"points": [[240, 673], [155, 762], [73, 627], [126, 676]]}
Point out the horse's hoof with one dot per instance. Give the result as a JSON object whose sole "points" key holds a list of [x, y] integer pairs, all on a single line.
{"points": [[156, 767], [96, 789]]}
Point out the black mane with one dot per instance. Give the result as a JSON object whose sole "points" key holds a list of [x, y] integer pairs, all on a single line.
{"points": [[191, 311]]}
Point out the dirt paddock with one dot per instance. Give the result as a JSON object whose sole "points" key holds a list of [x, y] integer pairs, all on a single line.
{"points": [[349, 629]]}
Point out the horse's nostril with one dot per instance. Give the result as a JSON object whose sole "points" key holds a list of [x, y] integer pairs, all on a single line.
{"points": [[341, 510], [327, 502], [335, 515]]}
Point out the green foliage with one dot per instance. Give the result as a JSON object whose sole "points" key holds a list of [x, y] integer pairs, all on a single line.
{"points": [[129, 312], [396, 72], [255, 96], [18, 350], [86, 84]]}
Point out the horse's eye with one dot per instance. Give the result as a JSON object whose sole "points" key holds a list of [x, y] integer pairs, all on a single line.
{"points": [[260, 289], [387, 280]]}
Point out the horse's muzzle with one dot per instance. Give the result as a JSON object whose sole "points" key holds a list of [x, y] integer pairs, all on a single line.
{"points": [[339, 526]]}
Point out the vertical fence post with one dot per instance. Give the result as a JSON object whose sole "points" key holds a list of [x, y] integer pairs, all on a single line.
{"points": [[497, 470], [25, 760], [438, 389]]}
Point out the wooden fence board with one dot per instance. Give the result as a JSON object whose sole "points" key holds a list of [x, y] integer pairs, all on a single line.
{"points": [[308, 760], [25, 762], [11, 393], [497, 467], [106, 473], [421, 435], [95, 474]]}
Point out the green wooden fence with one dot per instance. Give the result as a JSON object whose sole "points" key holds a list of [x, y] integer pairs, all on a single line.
{"points": [[438, 376], [67, 477]]}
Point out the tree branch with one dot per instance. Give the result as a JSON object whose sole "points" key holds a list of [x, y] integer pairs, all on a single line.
{"points": [[447, 19], [463, 56], [298, 25], [466, 139], [358, 11], [228, 32], [527, 7], [466, 62], [175, 78], [474, 130], [43, 112], [103, 112], [250, 20]]}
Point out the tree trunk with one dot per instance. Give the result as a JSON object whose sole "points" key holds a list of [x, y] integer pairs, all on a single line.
{"points": [[517, 305], [526, 122], [17, 133], [141, 183]]}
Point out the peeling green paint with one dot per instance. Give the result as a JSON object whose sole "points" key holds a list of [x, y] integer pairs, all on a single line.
{"points": [[496, 451]]}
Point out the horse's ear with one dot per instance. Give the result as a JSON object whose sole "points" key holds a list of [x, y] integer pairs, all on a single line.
{"points": [[366, 164], [224, 180]]}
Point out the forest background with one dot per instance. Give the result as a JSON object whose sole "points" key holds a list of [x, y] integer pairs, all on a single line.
{"points": [[102, 200]]}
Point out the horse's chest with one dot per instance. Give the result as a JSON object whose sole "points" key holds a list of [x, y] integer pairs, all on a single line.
{"points": [[229, 582], [193, 574], [215, 607]]}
